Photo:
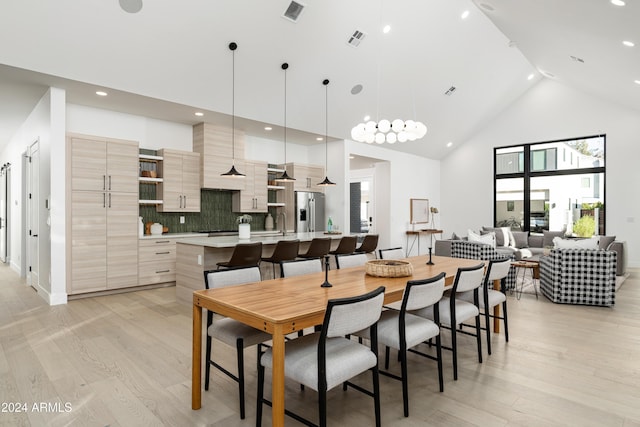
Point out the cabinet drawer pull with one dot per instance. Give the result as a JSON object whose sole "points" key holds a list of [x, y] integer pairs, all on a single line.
{"points": [[163, 253], [163, 271], [163, 241]]}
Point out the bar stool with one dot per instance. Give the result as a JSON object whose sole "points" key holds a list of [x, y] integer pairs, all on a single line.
{"points": [[346, 246], [369, 244], [285, 250], [244, 255], [319, 247]]}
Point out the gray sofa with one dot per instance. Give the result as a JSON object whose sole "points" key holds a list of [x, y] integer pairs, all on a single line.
{"points": [[532, 246]]}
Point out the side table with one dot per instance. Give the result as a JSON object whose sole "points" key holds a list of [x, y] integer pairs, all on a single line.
{"points": [[533, 267]]}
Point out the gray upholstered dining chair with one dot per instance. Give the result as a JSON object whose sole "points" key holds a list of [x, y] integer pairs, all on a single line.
{"points": [[355, 260], [300, 267], [326, 359], [229, 331], [497, 270], [392, 253], [453, 312], [403, 331]]}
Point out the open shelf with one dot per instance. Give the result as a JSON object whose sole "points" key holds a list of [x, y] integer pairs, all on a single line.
{"points": [[275, 170], [150, 202], [276, 205], [149, 158], [275, 187], [147, 180]]}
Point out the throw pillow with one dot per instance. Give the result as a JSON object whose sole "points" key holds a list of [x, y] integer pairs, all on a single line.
{"points": [[521, 239], [489, 238], [502, 234], [605, 241], [560, 243], [548, 236]]}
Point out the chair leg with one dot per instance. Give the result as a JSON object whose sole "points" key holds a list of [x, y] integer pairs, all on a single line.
{"points": [[322, 407], [405, 386], [207, 369], [504, 320], [260, 394], [376, 394], [386, 358], [454, 351], [487, 322], [439, 354], [240, 351], [479, 338]]}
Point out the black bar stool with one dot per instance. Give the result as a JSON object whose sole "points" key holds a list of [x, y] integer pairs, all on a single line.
{"points": [[319, 247], [244, 255], [285, 250], [369, 244]]}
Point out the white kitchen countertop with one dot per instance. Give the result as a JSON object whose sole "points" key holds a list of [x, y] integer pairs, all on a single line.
{"points": [[266, 239], [173, 235]]}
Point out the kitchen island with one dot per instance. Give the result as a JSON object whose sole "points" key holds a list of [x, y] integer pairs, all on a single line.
{"points": [[198, 254]]}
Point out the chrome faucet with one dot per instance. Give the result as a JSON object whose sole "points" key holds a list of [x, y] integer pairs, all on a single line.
{"points": [[283, 226]]}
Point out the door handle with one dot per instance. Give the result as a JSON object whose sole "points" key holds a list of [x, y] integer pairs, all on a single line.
{"points": [[109, 182], [34, 235], [185, 202], [104, 182], [109, 200]]}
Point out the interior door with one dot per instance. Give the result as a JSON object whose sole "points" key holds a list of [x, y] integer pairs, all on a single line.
{"points": [[33, 196], [4, 211]]}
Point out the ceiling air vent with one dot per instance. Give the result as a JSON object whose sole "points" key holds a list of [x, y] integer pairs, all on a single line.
{"points": [[450, 91], [356, 38], [293, 11]]}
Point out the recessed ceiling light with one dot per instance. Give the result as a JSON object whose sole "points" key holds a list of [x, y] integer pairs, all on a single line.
{"points": [[465, 14], [530, 76], [628, 43], [367, 118], [319, 138], [199, 114], [637, 82], [352, 157], [386, 29], [268, 128], [449, 144], [356, 89], [618, 2], [101, 93]]}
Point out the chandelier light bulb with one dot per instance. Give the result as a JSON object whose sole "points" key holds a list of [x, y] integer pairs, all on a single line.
{"points": [[388, 131]]}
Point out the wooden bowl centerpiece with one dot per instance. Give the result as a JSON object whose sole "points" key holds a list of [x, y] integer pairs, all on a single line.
{"points": [[388, 268]]}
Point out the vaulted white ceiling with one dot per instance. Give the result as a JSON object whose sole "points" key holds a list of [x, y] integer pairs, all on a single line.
{"points": [[172, 58]]}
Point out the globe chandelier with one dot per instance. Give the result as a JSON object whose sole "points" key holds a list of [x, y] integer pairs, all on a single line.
{"points": [[387, 131]]}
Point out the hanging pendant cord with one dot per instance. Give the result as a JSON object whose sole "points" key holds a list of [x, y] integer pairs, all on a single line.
{"points": [[233, 106], [326, 124], [284, 67]]}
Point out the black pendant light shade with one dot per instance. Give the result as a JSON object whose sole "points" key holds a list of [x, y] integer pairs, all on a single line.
{"points": [[233, 172], [326, 182], [285, 176]]}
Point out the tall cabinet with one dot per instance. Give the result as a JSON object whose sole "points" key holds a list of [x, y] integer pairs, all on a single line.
{"points": [[180, 186], [103, 214]]}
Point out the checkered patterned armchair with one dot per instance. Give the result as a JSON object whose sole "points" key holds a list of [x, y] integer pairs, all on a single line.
{"points": [[579, 276], [482, 251]]}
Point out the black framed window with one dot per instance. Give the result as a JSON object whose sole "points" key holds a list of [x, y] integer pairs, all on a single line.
{"points": [[551, 185]]}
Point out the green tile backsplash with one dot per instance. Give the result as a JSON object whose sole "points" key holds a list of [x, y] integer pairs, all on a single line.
{"points": [[215, 210], [215, 213]]}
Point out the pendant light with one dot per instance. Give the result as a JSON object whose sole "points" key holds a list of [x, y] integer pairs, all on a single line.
{"points": [[327, 182], [285, 177], [233, 172]]}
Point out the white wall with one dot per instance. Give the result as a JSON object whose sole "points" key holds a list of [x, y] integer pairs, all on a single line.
{"points": [[548, 111], [45, 124], [150, 133]]}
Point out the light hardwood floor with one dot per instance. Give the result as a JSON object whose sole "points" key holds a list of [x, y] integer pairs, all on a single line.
{"points": [[124, 360]]}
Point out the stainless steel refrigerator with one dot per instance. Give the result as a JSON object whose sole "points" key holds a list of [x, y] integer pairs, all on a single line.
{"points": [[309, 212]]}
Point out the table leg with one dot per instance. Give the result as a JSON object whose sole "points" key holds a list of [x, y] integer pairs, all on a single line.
{"points": [[196, 361], [277, 382], [496, 310]]}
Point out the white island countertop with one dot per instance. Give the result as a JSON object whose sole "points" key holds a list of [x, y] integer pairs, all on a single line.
{"points": [[265, 238]]}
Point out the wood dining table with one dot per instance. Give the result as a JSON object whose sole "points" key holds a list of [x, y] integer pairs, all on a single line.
{"points": [[285, 305]]}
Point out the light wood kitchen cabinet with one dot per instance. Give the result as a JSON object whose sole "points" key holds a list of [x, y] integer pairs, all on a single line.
{"points": [[253, 199], [103, 214], [157, 261], [214, 144], [180, 186], [307, 177]]}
